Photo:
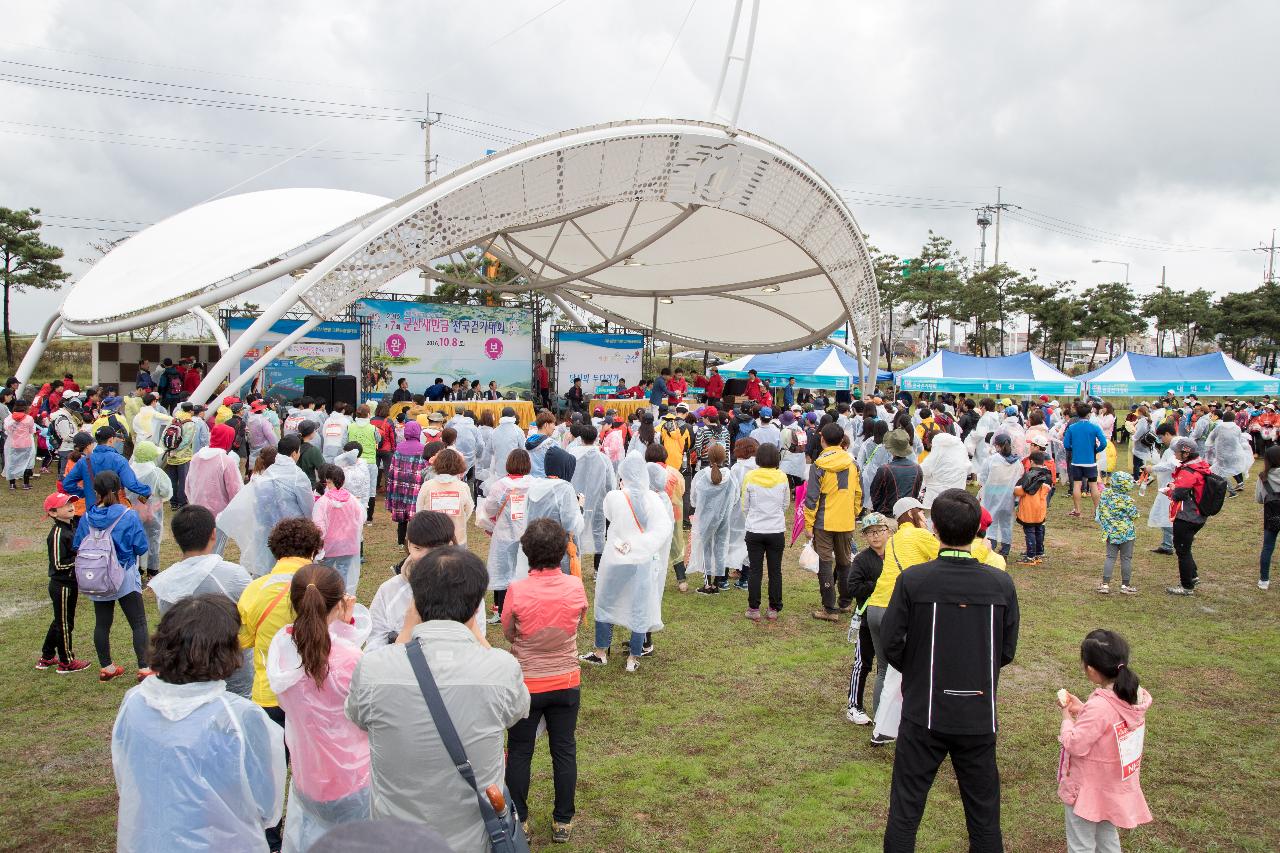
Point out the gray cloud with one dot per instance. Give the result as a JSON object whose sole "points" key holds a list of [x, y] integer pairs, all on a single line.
{"points": [[1142, 120]]}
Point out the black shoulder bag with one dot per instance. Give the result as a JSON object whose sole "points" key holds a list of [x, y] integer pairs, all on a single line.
{"points": [[505, 834]]}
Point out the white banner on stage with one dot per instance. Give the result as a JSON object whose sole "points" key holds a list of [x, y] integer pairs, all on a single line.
{"points": [[598, 359]]}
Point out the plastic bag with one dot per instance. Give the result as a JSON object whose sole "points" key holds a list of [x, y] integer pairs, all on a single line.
{"points": [[889, 711], [809, 558]]}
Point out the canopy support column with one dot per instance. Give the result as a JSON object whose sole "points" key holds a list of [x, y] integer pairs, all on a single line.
{"points": [[37, 348], [212, 327]]}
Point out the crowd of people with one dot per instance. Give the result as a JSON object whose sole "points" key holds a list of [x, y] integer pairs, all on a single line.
{"points": [[271, 661]]}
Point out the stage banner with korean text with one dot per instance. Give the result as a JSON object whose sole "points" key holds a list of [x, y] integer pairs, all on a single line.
{"points": [[421, 341], [331, 348], [598, 359]]}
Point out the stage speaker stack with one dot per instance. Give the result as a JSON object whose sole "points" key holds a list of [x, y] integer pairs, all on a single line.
{"points": [[334, 389]]}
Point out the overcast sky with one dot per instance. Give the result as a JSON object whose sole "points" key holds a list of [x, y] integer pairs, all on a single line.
{"points": [[1139, 132]]}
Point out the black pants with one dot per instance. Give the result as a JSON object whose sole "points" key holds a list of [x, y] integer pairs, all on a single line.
{"points": [[762, 546], [104, 613], [918, 754], [1184, 533], [560, 709], [63, 592], [401, 527], [1137, 466], [274, 835], [864, 657]]}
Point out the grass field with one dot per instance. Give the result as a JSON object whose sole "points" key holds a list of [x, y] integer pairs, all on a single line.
{"points": [[732, 737]]}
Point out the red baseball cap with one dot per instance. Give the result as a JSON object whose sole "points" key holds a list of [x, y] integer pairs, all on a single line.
{"points": [[229, 400], [710, 412], [56, 500], [258, 406], [984, 520]]}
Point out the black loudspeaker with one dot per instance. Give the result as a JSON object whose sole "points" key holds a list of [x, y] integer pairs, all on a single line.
{"points": [[344, 391], [318, 386], [735, 388], [334, 389]]}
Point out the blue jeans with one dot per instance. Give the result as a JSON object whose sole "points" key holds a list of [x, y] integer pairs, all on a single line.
{"points": [[1268, 546], [604, 637], [1166, 538], [1035, 539], [348, 567]]}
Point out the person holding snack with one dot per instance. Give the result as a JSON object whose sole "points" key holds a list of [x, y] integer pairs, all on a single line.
{"points": [[1102, 741]]}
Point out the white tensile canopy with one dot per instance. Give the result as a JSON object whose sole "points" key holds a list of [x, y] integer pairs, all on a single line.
{"points": [[702, 235], [205, 255]]}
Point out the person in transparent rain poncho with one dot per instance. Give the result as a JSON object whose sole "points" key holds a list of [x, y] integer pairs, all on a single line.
{"points": [[735, 556], [977, 445], [1000, 473], [715, 499], [872, 454], [309, 665], [196, 768], [946, 467], [554, 497], [151, 509], [593, 478], [1230, 454], [503, 515], [282, 491], [355, 472], [628, 589], [507, 436]]}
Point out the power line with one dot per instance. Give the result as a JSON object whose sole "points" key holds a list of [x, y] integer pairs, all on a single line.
{"points": [[1034, 214], [1018, 216], [327, 84], [670, 49]]}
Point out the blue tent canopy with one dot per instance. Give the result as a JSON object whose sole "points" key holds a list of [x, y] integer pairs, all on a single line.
{"points": [[1024, 373], [830, 368], [1213, 374]]}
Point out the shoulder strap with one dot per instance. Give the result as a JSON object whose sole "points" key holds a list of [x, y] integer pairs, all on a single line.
{"points": [[272, 605], [498, 838], [627, 498]]}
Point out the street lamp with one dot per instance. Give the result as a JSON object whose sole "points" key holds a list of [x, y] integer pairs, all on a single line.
{"points": [[1125, 263]]}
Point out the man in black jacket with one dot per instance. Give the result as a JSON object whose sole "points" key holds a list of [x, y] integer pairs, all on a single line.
{"points": [[950, 625]]}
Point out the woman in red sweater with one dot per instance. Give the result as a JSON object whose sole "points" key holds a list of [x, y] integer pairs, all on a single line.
{"points": [[540, 618]]}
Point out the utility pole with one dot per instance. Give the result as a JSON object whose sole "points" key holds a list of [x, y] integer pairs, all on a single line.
{"points": [[984, 222], [1270, 277], [999, 208], [428, 161]]}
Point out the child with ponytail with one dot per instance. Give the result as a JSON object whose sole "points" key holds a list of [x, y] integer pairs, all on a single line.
{"points": [[1102, 740], [713, 498], [309, 665]]}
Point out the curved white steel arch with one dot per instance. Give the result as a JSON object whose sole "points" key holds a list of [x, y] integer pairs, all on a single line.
{"points": [[741, 186]]}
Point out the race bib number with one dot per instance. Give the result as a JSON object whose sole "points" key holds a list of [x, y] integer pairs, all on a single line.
{"points": [[450, 503], [1129, 742], [517, 507]]}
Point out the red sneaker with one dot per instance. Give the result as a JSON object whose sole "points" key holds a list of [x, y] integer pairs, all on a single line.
{"points": [[109, 672], [72, 665], [144, 674], [46, 663]]}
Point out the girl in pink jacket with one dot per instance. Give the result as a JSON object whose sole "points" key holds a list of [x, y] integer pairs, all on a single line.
{"points": [[340, 518], [1102, 742]]}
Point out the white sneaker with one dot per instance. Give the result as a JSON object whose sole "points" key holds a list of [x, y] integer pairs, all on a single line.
{"points": [[495, 617], [1262, 585], [633, 664], [857, 716]]}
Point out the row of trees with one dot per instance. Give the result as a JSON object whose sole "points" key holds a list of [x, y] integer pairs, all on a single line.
{"points": [[938, 286]]}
